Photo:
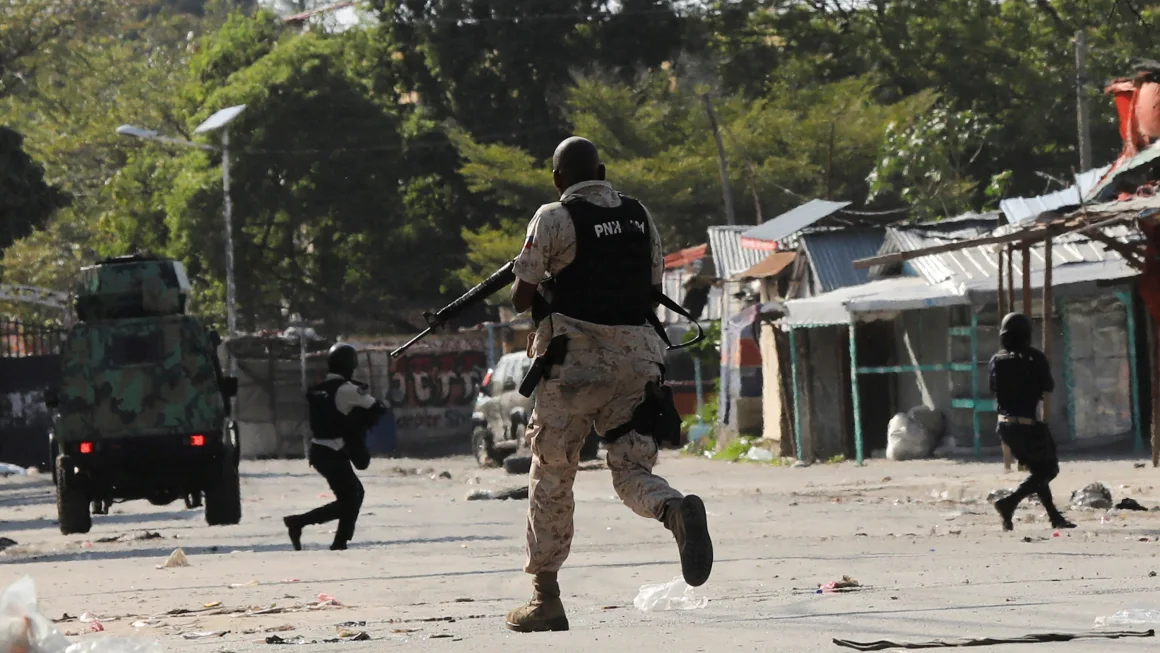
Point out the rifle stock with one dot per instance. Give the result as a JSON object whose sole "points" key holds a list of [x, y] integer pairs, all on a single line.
{"points": [[501, 278]]}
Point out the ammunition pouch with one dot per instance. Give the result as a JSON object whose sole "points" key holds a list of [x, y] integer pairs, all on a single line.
{"points": [[655, 416], [557, 350]]}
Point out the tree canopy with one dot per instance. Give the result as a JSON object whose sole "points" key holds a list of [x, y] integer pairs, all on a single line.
{"points": [[381, 168]]}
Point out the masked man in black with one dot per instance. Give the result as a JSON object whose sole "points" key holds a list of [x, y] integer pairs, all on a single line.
{"points": [[1020, 375], [341, 413]]}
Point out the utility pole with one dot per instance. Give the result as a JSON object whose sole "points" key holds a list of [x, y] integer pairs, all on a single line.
{"points": [[1082, 121], [725, 189]]}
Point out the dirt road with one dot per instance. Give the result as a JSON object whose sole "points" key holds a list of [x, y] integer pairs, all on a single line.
{"points": [[431, 571]]}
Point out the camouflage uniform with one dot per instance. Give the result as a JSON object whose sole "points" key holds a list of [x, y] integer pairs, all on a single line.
{"points": [[599, 383]]}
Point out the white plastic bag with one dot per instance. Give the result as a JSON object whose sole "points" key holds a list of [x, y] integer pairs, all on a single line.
{"points": [[908, 435], [24, 630], [673, 595], [1130, 619]]}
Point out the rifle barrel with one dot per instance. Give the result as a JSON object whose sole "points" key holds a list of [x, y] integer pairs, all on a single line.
{"points": [[412, 341]]}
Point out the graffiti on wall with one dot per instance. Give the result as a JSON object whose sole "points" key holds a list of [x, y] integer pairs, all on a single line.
{"points": [[437, 380]]}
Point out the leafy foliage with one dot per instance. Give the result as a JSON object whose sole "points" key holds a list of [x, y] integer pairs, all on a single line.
{"points": [[377, 171]]}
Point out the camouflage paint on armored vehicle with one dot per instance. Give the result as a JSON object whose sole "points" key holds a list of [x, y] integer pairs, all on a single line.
{"points": [[142, 411], [140, 377]]}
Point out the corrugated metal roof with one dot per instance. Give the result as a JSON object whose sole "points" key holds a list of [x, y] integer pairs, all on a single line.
{"points": [[729, 256], [893, 294], [1145, 156], [791, 222], [980, 263], [1018, 209], [832, 253], [770, 267]]}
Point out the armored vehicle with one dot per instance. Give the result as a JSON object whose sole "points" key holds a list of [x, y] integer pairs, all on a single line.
{"points": [[142, 410]]}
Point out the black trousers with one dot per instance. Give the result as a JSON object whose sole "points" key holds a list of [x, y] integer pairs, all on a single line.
{"points": [[336, 468], [1034, 448]]}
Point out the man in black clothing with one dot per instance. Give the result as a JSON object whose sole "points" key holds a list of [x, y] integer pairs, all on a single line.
{"points": [[1020, 375], [341, 413]]}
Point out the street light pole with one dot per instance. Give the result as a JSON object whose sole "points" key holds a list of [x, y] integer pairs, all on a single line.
{"points": [[219, 120], [231, 289]]}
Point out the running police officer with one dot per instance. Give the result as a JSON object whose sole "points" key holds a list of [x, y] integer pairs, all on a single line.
{"points": [[603, 254], [341, 413], [1020, 375]]}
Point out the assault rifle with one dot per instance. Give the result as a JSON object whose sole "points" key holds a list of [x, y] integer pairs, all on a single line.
{"points": [[501, 278]]}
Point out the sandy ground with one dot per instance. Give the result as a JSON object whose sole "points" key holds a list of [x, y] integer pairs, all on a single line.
{"points": [[431, 571]]}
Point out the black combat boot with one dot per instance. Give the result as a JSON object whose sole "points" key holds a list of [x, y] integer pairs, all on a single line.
{"points": [[544, 612], [687, 520], [1006, 508], [1057, 518], [295, 530]]}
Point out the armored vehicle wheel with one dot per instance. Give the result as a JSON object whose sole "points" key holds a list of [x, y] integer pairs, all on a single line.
{"points": [[72, 506], [481, 446], [223, 499], [517, 464]]}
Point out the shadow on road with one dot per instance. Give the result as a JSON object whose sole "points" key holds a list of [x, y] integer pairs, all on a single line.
{"points": [[106, 520], [161, 553]]}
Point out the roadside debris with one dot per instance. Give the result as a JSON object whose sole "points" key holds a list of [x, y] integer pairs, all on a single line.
{"points": [[673, 595], [1130, 504], [1094, 496], [884, 645], [847, 584], [249, 583], [205, 635], [498, 495], [913, 434], [130, 537], [24, 630], [176, 559], [1129, 619], [758, 454], [300, 640], [5, 543]]}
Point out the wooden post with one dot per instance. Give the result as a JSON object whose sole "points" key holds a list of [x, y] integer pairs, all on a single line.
{"points": [[1002, 295], [1027, 281], [1048, 322], [1154, 368], [1010, 279]]}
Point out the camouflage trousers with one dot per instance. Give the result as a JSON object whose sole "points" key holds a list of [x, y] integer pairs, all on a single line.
{"points": [[591, 388]]}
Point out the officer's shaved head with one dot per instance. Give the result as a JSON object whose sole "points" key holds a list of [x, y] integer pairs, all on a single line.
{"points": [[576, 160]]}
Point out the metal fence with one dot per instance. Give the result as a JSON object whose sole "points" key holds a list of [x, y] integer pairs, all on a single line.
{"points": [[18, 340]]}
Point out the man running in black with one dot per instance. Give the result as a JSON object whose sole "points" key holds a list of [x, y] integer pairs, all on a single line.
{"points": [[341, 413], [1020, 375]]}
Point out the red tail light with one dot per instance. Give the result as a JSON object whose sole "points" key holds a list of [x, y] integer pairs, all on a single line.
{"points": [[197, 440], [86, 447], [487, 379]]}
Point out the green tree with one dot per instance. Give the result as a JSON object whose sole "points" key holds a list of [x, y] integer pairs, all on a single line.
{"points": [[26, 200], [657, 143]]}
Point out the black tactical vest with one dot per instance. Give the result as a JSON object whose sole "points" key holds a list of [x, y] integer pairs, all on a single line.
{"points": [[326, 422], [610, 280], [1018, 386]]}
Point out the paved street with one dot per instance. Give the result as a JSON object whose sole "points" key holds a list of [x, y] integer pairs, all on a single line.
{"points": [[431, 571]]}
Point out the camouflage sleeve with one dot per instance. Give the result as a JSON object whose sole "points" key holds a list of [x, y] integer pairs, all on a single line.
{"points": [[350, 396], [658, 250], [549, 246], [531, 263]]}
